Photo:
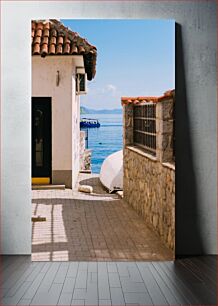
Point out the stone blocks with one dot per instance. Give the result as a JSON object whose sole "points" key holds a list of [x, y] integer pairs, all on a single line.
{"points": [[149, 187], [149, 182], [85, 154]]}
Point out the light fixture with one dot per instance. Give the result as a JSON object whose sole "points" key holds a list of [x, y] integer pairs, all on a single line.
{"points": [[57, 78]]}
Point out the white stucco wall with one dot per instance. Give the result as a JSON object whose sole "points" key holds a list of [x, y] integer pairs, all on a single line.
{"points": [[76, 133], [44, 71]]}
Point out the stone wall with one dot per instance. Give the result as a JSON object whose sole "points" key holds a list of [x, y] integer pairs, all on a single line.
{"points": [[164, 129], [85, 154], [127, 124], [149, 187], [149, 182]]}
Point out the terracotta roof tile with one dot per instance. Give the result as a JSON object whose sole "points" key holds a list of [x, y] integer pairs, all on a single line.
{"points": [[46, 25], [51, 49], [67, 48], [38, 33], [59, 49], [44, 48], [67, 40], [81, 50], [46, 33], [53, 40], [36, 40], [73, 49], [37, 49], [60, 40], [51, 37], [140, 100], [45, 40]]}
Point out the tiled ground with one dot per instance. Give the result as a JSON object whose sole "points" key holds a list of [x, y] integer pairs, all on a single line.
{"points": [[188, 281], [96, 227]]}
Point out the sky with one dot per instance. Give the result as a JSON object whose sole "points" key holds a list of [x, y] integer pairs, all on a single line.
{"points": [[134, 58]]}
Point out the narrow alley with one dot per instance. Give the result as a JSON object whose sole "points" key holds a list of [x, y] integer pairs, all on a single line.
{"points": [[91, 227]]}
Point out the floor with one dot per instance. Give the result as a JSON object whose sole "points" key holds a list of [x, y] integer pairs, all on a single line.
{"points": [[91, 227], [187, 281]]}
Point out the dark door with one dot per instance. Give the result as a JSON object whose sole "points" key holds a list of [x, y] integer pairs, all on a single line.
{"points": [[41, 137]]}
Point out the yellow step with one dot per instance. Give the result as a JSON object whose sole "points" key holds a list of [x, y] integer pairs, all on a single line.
{"points": [[40, 180]]}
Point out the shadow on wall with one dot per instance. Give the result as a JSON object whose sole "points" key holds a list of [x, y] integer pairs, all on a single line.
{"points": [[189, 240]]}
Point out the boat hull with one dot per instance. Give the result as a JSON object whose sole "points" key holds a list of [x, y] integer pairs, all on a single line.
{"points": [[89, 125], [111, 174]]}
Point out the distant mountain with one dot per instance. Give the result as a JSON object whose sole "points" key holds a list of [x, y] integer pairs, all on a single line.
{"points": [[82, 110], [86, 110]]}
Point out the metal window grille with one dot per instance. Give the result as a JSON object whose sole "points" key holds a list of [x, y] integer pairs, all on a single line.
{"points": [[144, 127]]}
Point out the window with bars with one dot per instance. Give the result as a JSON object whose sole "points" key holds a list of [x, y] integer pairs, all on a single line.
{"points": [[144, 127], [80, 83]]}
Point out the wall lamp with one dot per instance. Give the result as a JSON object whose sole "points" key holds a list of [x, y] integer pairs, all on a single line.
{"points": [[57, 78]]}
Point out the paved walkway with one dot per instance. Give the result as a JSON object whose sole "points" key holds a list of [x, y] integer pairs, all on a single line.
{"points": [[90, 227]]}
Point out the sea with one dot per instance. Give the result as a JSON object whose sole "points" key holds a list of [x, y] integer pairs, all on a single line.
{"points": [[106, 139]]}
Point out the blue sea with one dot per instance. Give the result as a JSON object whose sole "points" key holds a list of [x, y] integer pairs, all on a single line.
{"points": [[106, 139]]}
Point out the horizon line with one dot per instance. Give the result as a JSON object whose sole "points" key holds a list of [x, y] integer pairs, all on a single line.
{"points": [[99, 108]]}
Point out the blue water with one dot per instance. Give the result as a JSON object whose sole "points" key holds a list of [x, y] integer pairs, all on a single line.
{"points": [[104, 140]]}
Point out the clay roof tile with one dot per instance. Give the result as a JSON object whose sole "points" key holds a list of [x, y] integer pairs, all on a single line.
{"points": [[39, 25], [51, 49], [51, 37], [60, 40], [81, 50], [53, 40], [46, 32], [67, 48], [38, 33], [45, 40], [59, 49], [73, 49], [53, 33], [33, 25], [37, 40], [46, 26], [44, 50], [139, 100], [36, 49], [135, 101], [67, 41]]}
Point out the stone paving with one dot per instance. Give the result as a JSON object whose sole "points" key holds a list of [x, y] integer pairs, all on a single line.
{"points": [[91, 227]]}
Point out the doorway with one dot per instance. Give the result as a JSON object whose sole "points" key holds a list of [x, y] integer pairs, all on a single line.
{"points": [[41, 140]]}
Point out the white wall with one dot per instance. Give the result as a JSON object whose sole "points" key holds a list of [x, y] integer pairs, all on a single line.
{"points": [[64, 101], [196, 83], [76, 133], [44, 71]]}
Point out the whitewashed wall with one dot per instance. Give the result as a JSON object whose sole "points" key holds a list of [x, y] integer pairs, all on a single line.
{"points": [[76, 134], [65, 104], [44, 71]]}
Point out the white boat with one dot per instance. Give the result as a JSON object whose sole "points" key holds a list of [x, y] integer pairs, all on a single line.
{"points": [[111, 175]]}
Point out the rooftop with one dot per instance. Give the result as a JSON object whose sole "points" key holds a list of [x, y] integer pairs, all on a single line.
{"points": [[139, 100], [51, 37]]}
